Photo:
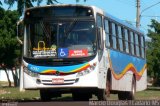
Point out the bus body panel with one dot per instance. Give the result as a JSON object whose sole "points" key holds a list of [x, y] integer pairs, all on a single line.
{"points": [[88, 80], [142, 83], [124, 84], [123, 68], [103, 66]]}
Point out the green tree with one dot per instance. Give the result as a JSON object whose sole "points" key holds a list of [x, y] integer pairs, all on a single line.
{"points": [[9, 47], [153, 51], [23, 4]]}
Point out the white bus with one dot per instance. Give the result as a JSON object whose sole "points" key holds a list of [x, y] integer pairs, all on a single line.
{"points": [[81, 50]]}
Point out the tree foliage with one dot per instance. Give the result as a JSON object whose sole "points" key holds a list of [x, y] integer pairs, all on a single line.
{"points": [[8, 41], [153, 50], [9, 47], [23, 4]]}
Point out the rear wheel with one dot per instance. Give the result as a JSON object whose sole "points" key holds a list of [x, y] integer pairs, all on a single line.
{"points": [[131, 94]]}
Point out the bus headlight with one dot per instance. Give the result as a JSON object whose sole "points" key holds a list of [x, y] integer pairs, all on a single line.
{"points": [[87, 71], [31, 73]]}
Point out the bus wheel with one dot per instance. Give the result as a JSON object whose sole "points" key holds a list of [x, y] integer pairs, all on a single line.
{"points": [[80, 96], [128, 95], [101, 95], [45, 95], [104, 93], [131, 94], [122, 95]]}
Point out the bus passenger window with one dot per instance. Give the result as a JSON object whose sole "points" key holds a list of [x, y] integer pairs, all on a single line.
{"points": [[99, 21], [142, 47], [110, 34], [132, 43], [137, 45], [126, 40], [106, 27], [120, 38], [114, 36]]}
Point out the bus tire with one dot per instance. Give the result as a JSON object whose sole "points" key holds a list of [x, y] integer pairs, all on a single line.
{"points": [[128, 95], [104, 93], [131, 94], [45, 95], [77, 96], [122, 95]]}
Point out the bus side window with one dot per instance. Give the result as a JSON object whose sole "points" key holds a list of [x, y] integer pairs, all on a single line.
{"points": [[137, 45], [142, 47], [120, 38], [126, 40], [106, 27], [110, 34], [100, 31], [114, 36], [129, 41], [132, 42], [99, 21]]}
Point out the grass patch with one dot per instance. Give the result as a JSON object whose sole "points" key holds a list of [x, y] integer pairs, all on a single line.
{"points": [[14, 94], [149, 94]]}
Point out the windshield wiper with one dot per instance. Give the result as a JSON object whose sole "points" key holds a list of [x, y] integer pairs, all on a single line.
{"points": [[70, 27], [44, 29]]}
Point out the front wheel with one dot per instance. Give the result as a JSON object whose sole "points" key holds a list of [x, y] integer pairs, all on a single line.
{"points": [[45, 95], [80, 96], [104, 93]]}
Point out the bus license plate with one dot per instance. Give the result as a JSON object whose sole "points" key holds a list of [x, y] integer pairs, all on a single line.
{"points": [[58, 80]]}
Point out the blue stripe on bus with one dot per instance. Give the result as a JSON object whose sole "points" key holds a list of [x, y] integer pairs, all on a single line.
{"points": [[120, 61]]}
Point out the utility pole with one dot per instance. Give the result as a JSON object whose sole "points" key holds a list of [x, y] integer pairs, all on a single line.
{"points": [[138, 13]]}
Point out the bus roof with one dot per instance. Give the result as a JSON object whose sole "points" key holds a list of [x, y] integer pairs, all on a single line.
{"points": [[124, 23], [57, 5], [97, 10]]}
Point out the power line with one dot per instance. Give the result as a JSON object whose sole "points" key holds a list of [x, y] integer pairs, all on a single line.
{"points": [[149, 16], [139, 14], [149, 7]]}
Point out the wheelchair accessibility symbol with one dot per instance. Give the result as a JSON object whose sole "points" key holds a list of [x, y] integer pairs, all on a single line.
{"points": [[63, 52]]}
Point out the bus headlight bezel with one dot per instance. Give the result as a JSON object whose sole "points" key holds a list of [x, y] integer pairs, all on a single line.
{"points": [[87, 71], [30, 73]]}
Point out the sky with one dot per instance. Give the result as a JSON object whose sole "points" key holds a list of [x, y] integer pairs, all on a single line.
{"points": [[122, 9]]}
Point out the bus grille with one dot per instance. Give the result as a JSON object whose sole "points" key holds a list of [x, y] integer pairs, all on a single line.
{"points": [[66, 82]]}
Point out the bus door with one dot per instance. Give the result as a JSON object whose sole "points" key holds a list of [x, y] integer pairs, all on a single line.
{"points": [[101, 52]]}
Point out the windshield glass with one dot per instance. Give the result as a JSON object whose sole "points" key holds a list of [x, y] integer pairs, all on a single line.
{"points": [[61, 39]]}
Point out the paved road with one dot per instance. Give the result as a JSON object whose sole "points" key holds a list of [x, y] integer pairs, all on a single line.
{"points": [[40, 103]]}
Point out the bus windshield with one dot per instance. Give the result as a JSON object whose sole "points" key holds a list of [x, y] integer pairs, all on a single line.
{"points": [[61, 39]]}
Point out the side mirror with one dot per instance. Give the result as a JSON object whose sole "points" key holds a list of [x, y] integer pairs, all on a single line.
{"points": [[20, 31], [100, 37]]}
